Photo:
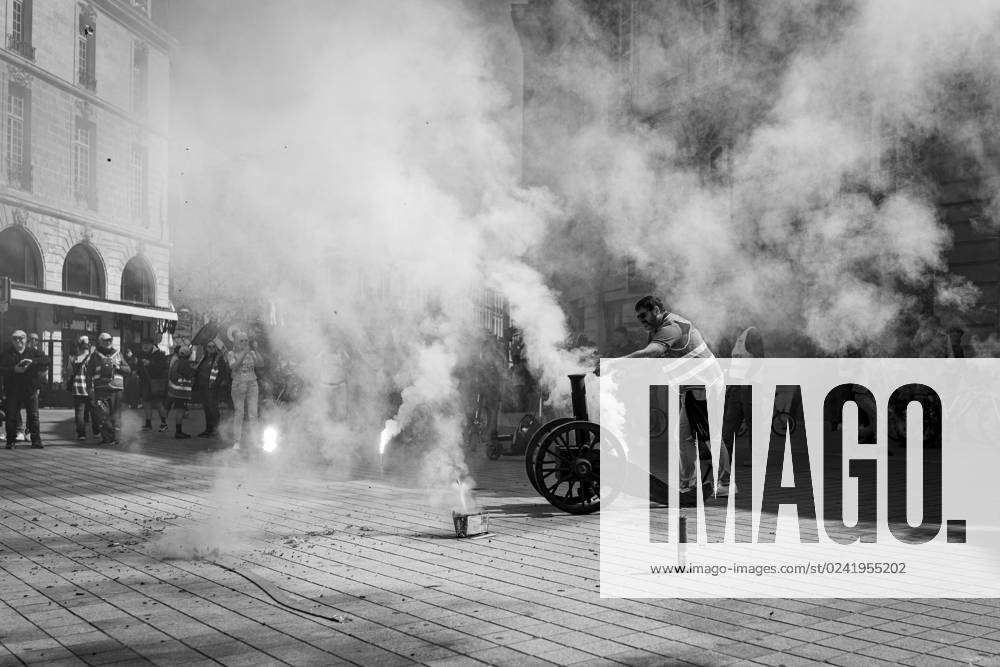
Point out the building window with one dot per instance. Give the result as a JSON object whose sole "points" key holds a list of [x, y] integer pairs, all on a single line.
{"points": [[137, 185], [84, 165], [20, 259], [140, 77], [17, 136], [83, 272], [17, 19], [19, 37], [86, 45], [625, 52], [138, 284]]}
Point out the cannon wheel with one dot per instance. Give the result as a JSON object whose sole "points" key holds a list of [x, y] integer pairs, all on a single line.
{"points": [[532, 449], [568, 467]]}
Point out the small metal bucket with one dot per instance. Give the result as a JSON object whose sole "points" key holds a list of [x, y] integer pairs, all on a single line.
{"points": [[470, 525]]}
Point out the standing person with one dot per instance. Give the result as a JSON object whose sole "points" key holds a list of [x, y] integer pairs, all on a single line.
{"points": [[748, 345], [107, 370], [244, 363], [22, 368], [210, 381], [34, 343], [132, 392], [955, 347], [79, 384], [153, 366], [180, 378], [670, 335]]}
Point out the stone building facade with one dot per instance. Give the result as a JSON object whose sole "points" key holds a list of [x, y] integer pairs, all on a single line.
{"points": [[83, 170]]}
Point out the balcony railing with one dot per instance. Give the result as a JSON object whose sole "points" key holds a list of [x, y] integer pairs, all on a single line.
{"points": [[87, 80], [20, 47]]}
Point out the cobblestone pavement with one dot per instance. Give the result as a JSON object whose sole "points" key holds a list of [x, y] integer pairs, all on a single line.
{"points": [[98, 566]]}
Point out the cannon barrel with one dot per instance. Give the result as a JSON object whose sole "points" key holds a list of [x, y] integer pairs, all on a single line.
{"points": [[578, 392]]}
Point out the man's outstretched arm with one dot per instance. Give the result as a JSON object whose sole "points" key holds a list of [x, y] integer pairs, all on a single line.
{"points": [[653, 349]]}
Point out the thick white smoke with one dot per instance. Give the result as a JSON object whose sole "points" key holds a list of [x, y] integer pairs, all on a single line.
{"points": [[762, 169], [359, 164], [371, 188]]}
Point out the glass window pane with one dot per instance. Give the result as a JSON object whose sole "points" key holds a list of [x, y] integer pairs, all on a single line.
{"points": [[19, 259], [82, 272]]}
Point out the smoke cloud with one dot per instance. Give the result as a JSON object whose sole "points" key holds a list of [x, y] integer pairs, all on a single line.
{"points": [[358, 165], [770, 164]]}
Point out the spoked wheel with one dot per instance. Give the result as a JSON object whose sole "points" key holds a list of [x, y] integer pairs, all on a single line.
{"points": [[568, 467], [531, 451]]}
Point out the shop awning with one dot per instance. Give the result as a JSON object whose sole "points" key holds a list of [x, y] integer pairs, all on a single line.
{"points": [[85, 303]]}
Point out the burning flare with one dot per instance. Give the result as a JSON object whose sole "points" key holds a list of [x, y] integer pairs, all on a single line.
{"points": [[390, 431], [269, 439], [463, 495]]}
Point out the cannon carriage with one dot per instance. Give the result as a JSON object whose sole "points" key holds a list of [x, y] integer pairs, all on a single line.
{"points": [[563, 457]]}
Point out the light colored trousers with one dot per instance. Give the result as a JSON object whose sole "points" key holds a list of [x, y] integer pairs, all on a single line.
{"points": [[245, 396]]}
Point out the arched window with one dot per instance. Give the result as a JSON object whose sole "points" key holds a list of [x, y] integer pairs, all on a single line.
{"points": [[83, 272], [20, 259], [138, 284]]}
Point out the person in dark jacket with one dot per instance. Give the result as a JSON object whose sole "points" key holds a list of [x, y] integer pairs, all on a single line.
{"points": [[211, 381], [179, 382], [153, 366], [107, 370], [22, 369], [132, 392]]}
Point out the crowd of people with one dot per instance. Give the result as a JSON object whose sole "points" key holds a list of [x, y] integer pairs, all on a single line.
{"points": [[97, 377]]}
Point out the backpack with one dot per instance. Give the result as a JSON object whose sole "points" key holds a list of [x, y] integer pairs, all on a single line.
{"points": [[107, 368]]}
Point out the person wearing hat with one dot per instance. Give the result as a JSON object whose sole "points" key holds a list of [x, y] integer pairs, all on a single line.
{"points": [[78, 383], [34, 343], [22, 368], [107, 370]]}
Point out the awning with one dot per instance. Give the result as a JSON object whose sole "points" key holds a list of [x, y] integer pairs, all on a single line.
{"points": [[84, 303]]}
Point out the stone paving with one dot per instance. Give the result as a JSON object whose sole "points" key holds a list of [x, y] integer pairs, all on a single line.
{"points": [[149, 553]]}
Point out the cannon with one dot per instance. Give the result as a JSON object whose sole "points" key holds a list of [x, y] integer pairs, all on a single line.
{"points": [[563, 457], [514, 443]]}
